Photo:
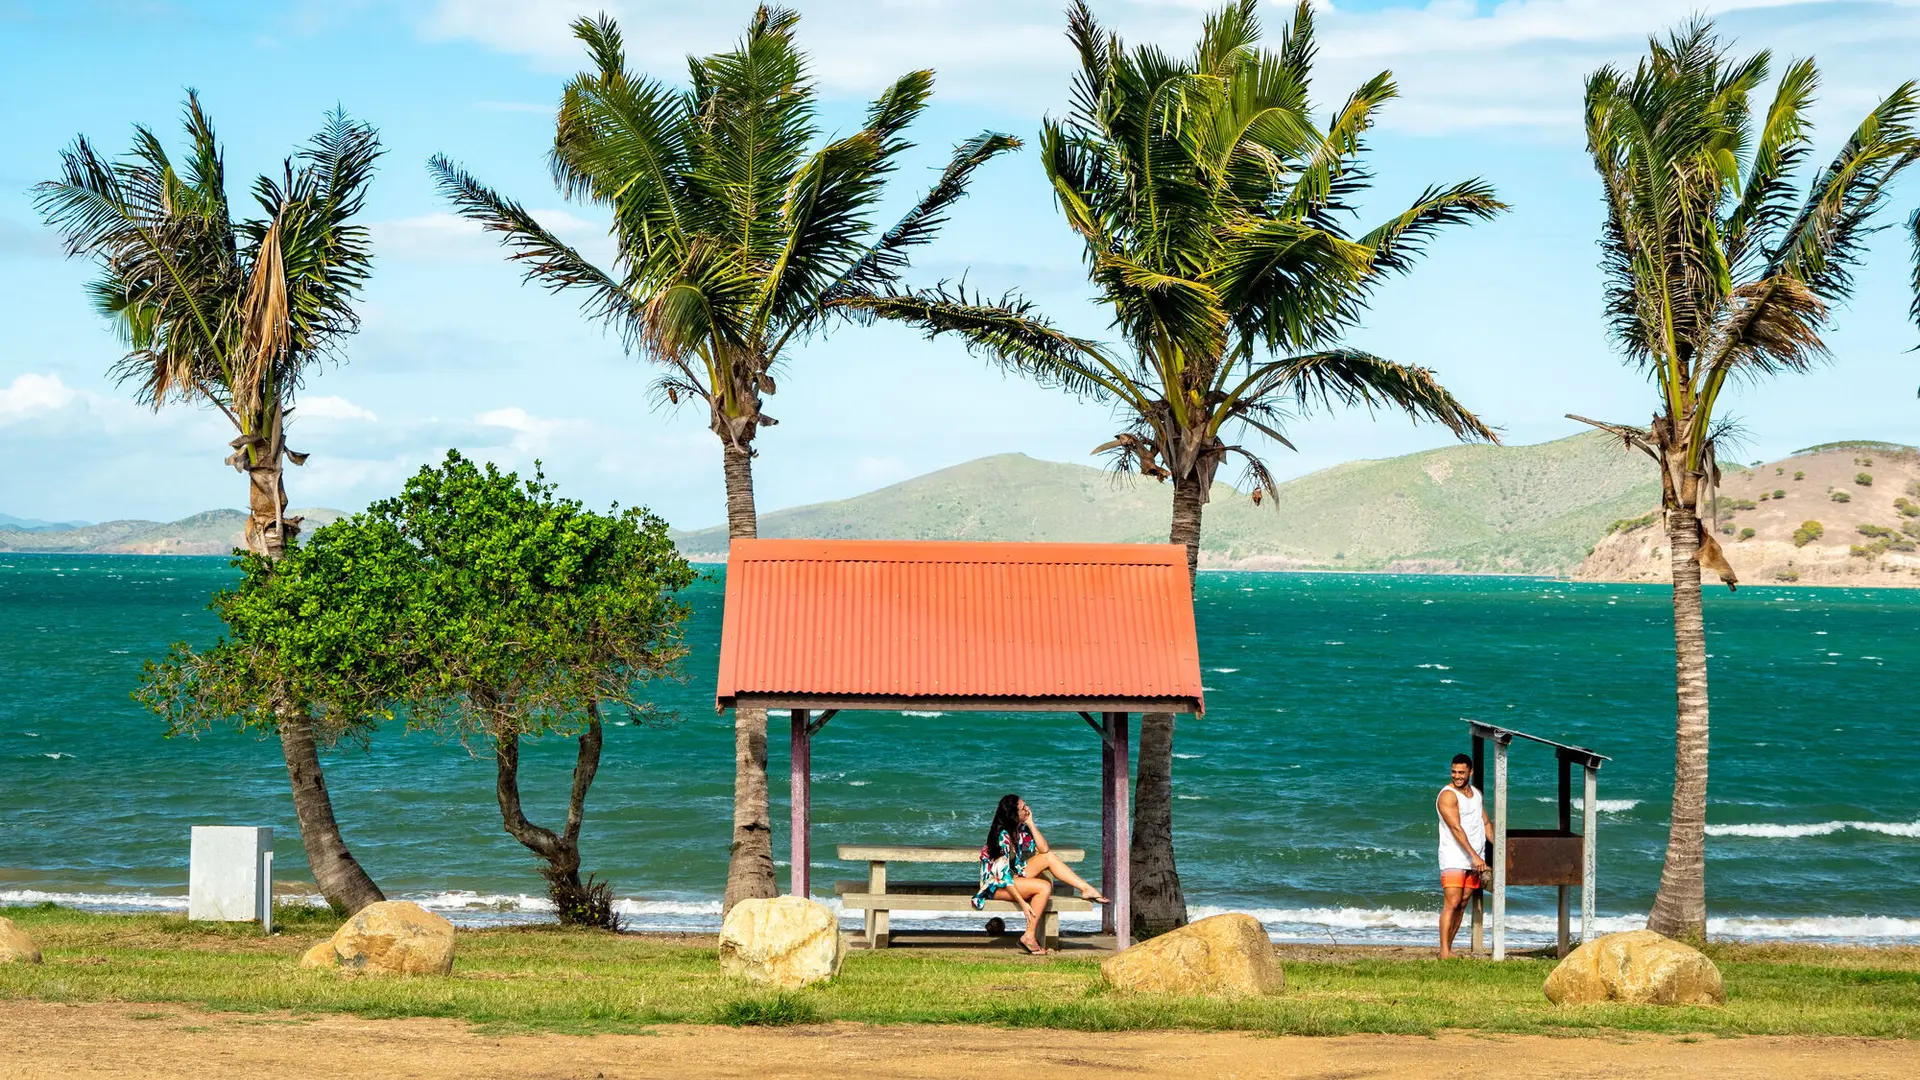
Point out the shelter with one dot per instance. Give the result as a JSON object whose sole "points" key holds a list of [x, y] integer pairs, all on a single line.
{"points": [[821, 626], [1557, 857]]}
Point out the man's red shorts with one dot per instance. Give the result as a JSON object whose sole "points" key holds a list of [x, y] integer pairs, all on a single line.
{"points": [[1459, 879]]}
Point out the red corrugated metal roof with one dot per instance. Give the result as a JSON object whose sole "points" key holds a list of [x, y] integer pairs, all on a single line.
{"points": [[961, 623]]}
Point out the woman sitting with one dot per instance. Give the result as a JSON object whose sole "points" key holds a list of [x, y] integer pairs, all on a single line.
{"points": [[1015, 856]]}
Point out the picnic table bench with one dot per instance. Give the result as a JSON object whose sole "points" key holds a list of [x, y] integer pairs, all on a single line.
{"points": [[878, 897]]}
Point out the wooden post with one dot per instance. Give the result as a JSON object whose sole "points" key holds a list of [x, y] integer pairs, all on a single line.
{"points": [[879, 929], [1122, 894], [1566, 826], [1479, 905], [1589, 852], [1500, 849], [1108, 854], [802, 773]]}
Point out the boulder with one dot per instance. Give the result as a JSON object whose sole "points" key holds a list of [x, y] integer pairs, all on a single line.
{"points": [[1225, 955], [16, 945], [787, 942], [393, 937], [1639, 967]]}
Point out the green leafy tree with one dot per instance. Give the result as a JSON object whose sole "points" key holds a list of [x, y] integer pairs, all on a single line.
{"points": [[1213, 213], [735, 227], [1720, 266], [531, 616], [473, 604], [233, 314]]}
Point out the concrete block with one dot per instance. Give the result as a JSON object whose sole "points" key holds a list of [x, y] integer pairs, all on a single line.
{"points": [[229, 876]]}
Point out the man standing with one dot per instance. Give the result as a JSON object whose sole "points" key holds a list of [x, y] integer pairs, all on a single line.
{"points": [[1463, 836]]}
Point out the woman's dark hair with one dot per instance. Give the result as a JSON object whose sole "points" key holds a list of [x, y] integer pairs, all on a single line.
{"points": [[1006, 817]]}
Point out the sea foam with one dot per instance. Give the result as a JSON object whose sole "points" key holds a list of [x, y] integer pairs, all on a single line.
{"points": [[1818, 828]]}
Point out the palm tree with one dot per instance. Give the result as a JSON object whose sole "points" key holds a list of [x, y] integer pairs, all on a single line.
{"points": [[1212, 211], [733, 231], [1718, 267], [233, 314]]}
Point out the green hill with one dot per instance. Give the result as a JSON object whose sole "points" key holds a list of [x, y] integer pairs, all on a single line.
{"points": [[213, 532], [1520, 509]]}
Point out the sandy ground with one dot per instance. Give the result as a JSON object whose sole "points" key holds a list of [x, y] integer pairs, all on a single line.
{"points": [[150, 1042]]}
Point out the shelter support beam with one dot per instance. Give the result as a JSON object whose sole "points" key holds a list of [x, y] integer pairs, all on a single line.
{"points": [[800, 825], [1589, 851], [1116, 827], [1499, 849]]}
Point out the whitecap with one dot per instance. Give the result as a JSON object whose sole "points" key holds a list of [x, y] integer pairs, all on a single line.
{"points": [[1333, 643], [1437, 667], [1224, 670], [1604, 806], [1818, 828], [1189, 757], [57, 756], [910, 712], [858, 783]]}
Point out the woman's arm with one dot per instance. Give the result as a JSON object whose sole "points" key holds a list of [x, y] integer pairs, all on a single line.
{"points": [[1039, 841]]}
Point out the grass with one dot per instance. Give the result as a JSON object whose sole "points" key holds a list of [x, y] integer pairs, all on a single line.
{"points": [[582, 981]]}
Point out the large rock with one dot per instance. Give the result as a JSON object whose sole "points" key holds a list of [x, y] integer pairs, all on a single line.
{"points": [[1639, 967], [786, 942], [16, 945], [1222, 954], [393, 937]]}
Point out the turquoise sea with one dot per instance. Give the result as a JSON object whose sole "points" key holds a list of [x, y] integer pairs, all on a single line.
{"points": [[1304, 795]]}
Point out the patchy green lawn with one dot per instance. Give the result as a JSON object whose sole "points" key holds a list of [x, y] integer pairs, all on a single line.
{"points": [[548, 979]]}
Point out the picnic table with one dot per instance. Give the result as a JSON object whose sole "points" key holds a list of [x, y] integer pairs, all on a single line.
{"points": [[878, 897]]}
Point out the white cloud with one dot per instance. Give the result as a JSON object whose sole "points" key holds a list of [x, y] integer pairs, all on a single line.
{"points": [[1517, 65], [532, 434], [448, 237], [331, 407], [32, 394]]}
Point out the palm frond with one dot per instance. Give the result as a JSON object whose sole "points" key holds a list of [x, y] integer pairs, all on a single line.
{"points": [[1397, 242], [1008, 330], [1350, 377], [545, 258]]}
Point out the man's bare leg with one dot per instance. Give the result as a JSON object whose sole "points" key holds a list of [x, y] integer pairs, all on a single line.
{"points": [[1452, 909]]}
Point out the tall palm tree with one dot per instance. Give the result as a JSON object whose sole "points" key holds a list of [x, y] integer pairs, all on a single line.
{"points": [[1213, 213], [233, 314], [1719, 267], [734, 227]]}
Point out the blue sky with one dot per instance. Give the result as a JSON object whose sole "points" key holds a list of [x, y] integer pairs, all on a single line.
{"points": [[456, 352]]}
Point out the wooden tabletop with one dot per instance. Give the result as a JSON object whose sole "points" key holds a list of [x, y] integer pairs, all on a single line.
{"points": [[916, 853]]}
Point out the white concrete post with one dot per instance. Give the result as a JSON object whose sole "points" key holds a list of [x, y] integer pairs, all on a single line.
{"points": [[1500, 849], [1589, 852], [225, 866]]}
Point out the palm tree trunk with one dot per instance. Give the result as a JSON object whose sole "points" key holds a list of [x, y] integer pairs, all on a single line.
{"points": [[1159, 904], [339, 876], [750, 865], [1680, 908], [345, 885]]}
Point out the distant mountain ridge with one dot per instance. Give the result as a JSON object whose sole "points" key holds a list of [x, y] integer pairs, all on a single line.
{"points": [[213, 532], [1507, 509]]}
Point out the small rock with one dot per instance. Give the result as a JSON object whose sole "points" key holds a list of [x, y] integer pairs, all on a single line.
{"points": [[394, 937], [16, 945], [1222, 955], [787, 942], [1638, 967]]}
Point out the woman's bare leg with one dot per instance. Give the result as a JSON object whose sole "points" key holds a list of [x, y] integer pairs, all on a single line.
{"points": [[1047, 860], [1036, 892]]}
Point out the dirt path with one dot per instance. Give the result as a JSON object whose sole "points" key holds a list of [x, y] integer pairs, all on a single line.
{"points": [[159, 1042]]}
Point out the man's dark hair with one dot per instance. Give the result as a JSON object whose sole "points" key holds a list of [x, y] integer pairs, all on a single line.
{"points": [[1462, 759]]}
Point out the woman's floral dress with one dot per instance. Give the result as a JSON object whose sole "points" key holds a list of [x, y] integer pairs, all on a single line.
{"points": [[998, 873]]}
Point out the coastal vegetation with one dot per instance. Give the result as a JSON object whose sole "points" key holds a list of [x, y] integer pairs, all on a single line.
{"points": [[234, 314], [1211, 212], [1720, 267], [580, 981], [473, 604], [735, 236]]}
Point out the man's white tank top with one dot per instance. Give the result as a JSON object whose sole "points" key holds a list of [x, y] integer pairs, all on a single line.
{"points": [[1473, 822]]}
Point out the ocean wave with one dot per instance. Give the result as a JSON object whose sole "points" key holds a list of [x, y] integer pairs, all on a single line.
{"points": [[910, 712], [1819, 828], [1605, 806]]}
